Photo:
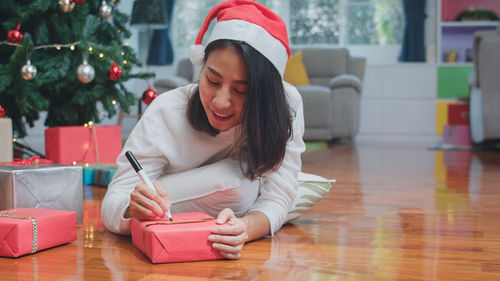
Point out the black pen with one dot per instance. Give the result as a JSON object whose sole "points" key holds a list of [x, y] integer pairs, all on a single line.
{"points": [[144, 177]]}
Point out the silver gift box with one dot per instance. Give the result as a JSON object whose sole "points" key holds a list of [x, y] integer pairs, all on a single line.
{"points": [[45, 186]]}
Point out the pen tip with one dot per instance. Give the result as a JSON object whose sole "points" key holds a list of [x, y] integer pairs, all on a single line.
{"points": [[171, 219]]}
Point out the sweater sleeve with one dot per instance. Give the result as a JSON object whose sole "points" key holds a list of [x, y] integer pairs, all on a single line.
{"points": [[278, 189], [145, 143]]}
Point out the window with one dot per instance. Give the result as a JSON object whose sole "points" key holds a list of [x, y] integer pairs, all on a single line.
{"points": [[346, 22], [339, 22]]}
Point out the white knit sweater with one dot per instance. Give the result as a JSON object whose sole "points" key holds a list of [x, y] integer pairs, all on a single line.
{"points": [[171, 151]]}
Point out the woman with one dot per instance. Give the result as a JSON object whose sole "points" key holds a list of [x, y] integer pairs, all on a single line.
{"points": [[240, 114]]}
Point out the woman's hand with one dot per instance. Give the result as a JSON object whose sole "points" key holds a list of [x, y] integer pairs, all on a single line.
{"points": [[146, 204], [229, 239]]}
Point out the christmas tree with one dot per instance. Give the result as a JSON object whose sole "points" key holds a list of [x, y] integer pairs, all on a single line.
{"points": [[64, 57]]}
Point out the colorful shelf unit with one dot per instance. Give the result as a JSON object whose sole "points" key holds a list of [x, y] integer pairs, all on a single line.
{"points": [[457, 36], [455, 51], [453, 81], [450, 9]]}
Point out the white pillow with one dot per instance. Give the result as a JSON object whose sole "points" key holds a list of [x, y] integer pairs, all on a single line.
{"points": [[311, 189]]}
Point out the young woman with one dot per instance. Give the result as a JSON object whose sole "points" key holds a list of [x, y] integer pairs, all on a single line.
{"points": [[240, 121]]}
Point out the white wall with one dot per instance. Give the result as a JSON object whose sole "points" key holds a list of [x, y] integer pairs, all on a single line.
{"points": [[399, 102]]}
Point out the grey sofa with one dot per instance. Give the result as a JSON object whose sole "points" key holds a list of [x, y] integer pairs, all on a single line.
{"points": [[332, 101], [485, 87]]}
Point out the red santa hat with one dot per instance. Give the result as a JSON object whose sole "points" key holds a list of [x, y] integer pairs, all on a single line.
{"points": [[250, 22]]}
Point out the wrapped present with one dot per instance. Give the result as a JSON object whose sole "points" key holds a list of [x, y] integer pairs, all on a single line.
{"points": [[6, 149], [458, 135], [183, 239], [98, 174], [103, 176], [25, 230], [27, 184], [80, 145]]}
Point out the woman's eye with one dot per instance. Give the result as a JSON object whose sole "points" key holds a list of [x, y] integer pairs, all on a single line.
{"points": [[212, 82], [240, 92]]}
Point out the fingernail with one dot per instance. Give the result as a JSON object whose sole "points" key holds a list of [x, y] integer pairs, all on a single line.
{"points": [[211, 237]]}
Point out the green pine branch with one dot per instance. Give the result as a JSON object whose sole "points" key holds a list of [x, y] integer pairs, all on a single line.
{"points": [[56, 88]]}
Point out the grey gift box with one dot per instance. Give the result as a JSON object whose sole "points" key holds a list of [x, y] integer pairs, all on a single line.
{"points": [[44, 186]]}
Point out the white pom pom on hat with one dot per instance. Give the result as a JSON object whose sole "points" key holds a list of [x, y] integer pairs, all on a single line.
{"points": [[250, 22], [196, 54]]}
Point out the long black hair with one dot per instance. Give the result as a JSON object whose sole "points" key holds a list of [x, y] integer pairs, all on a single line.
{"points": [[266, 123]]}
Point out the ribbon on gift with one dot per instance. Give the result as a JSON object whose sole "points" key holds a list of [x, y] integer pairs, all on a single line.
{"points": [[93, 138], [32, 161], [34, 227], [178, 222], [169, 222]]}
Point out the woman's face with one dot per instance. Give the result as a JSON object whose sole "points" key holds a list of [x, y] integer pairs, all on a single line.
{"points": [[223, 87]]}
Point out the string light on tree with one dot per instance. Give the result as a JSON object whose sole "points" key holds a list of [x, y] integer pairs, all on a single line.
{"points": [[115, 72], [28, 71], [66, 5], [85, 72], [63, 20], [105, 10], [15, 36], [149, 95]]}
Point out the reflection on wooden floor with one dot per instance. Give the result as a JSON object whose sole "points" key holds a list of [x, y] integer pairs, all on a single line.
{"points": [[397, 212]]}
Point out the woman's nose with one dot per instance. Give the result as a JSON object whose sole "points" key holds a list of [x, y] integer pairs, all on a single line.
{"points": [[222, 98]]}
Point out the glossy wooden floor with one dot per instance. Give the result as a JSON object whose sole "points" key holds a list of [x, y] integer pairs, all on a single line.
{"points": [[397, 212]]}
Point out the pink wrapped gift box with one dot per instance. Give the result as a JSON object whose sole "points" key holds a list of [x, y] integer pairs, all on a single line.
{"points": [[79, 144], [184, 239], [457, 135], [26, 230]]}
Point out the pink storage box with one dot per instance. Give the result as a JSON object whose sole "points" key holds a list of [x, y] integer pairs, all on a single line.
{"points": [[457, 135], [26, 230], [186, 239], [68, 144]]}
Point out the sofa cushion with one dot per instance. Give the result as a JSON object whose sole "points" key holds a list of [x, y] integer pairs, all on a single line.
{"points": [[325, 61], [318, 98], [295, 71]]}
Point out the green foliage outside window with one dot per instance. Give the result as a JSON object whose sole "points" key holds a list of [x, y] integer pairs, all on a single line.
{"points": [[345, 22]]}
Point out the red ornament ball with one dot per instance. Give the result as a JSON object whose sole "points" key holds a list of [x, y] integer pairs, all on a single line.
{"points": [[15, 36], [115, 72], [149, 95], [2, 112], [79, 1]]}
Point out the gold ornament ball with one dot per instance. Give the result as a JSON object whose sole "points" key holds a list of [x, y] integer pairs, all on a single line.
{"points": [[105, 10], [85, 72], [28, 71], [66, 5]]}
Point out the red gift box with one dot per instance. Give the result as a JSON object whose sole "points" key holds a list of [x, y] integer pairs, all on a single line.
{"points": [[184, 239], [458, 114], [95, 144], [26, 230]]}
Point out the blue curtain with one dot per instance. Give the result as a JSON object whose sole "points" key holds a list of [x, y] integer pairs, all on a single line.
{"points": [[161, 51], [413, 45]]}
